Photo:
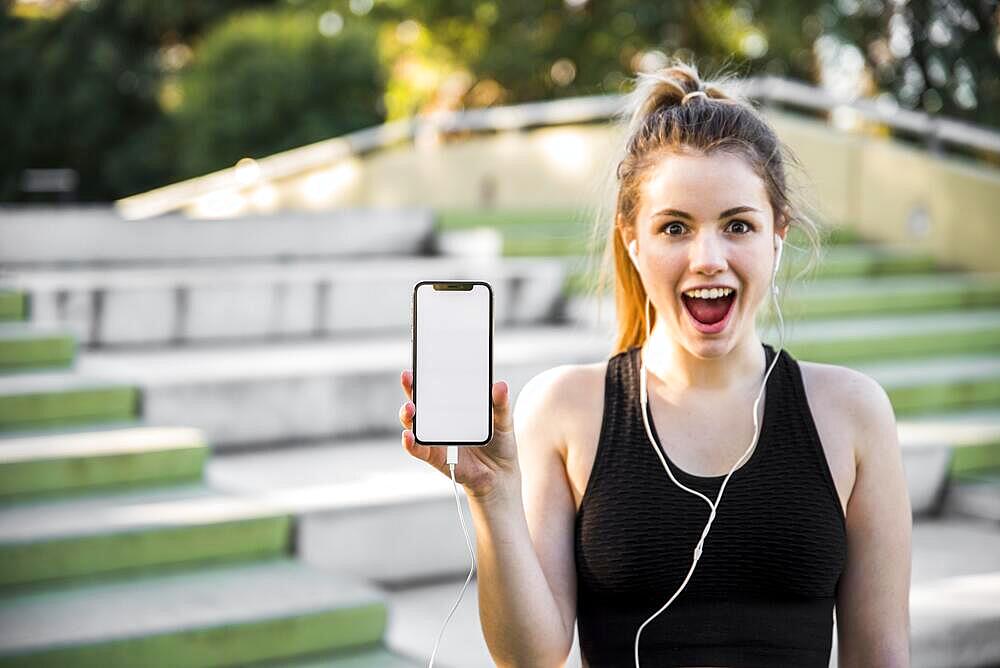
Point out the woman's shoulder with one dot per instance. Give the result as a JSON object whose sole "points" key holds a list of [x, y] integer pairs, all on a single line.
{"points": [[852, 412], [568, 395], [840, 387]]}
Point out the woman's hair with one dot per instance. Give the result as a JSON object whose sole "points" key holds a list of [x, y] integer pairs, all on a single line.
{"points": [[659, 123]]}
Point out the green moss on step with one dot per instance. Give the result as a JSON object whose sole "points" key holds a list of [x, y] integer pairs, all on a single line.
{"points": [[13, 305], [36, 352], [81, 406], [143, 548], [983, 458], [232, 644], [68, 475]]}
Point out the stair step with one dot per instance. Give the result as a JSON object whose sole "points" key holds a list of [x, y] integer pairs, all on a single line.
{"points": [[975, 494], [96, 535], [380, 657], [358, 505], [13, 305], [48, 399], [175, 305], [26, 346], [231, 615], [300, 391], [877, 295], [69, 462], [419, 610], [934, 444], [954, 622], [360, 502], [875, 259], [100, 237], [901, 336], [941, 384]]}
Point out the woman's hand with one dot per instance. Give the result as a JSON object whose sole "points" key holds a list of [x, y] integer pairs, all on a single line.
{"points": [[484, 471]]}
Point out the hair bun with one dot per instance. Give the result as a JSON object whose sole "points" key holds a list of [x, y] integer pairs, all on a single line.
{"points": [[674, 85]]}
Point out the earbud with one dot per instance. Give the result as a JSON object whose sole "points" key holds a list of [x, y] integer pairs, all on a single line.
{"points": [[633, 251]]}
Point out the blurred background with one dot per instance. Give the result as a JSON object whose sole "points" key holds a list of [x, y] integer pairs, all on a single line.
{"points": [[212, 216]]}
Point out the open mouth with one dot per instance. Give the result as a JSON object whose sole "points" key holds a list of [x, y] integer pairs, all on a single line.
{"points": [[709, 315]]}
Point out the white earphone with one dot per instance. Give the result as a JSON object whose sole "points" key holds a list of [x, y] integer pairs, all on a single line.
{"points": [[633, 252]]}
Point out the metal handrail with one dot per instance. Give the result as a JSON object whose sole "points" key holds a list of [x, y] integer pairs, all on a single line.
{"points": [[766, 89]]}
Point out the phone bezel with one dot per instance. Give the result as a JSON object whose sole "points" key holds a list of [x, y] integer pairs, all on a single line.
{"points": [[413, 363]]}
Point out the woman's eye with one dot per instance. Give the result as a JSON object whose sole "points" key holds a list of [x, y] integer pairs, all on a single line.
{"points": [[746, 227]]}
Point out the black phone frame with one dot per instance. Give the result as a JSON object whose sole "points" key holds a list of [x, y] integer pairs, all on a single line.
{"points": [[413, 364]]}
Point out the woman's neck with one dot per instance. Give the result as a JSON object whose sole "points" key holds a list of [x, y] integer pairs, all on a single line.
{"points": [[678, 372]]}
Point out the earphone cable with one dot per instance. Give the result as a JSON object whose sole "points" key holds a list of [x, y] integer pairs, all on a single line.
{"points": [[753, 444], [453, 455]]}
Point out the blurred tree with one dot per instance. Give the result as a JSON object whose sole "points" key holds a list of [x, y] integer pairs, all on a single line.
{"points": [[524, 50], [80, 91], [136, 94], [939, 56], [942, 57], [266, 81]]}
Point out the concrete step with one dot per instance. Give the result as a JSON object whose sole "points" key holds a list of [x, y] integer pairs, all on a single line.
{"points": [[911, 335], [938, 446], [879, 295], [244, 395], [864, 260], [25, 346], [829, 298], [938, 384], [419, 610], [49, 399], [194, 304], [220, 616], [359, 503], [952, 623], [380, 657], [975, 495], [40, 236], [13, 305], [69, 462], [62, 539]]}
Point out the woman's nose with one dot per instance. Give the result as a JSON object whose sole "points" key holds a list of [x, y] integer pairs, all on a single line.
{"points": [[708, 254]]}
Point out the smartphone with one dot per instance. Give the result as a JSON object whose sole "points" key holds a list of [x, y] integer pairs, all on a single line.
{"points": [[452, 340]]}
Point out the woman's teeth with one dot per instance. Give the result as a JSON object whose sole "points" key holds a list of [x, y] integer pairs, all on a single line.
{"points": [[713, 293]]}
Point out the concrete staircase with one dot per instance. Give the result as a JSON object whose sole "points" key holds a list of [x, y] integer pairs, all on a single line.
{"points": [[230, 425], [116, 550]]}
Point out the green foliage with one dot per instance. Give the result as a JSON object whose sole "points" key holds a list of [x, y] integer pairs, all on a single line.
{"points": [[266, 81], [80, 91], [134, 94]]}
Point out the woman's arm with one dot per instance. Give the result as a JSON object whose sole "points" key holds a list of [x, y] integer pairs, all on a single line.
{"points": [[524, 539], [873, 599]]}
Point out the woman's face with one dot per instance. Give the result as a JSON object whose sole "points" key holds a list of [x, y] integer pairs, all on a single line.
{"points": [[684, 243]]}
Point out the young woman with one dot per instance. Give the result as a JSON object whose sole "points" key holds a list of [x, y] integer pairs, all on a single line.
{"points": [[588, 508]]}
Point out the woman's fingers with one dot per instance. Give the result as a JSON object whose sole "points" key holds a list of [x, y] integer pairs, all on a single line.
{"points": [[424, 452], [406, 415], [406, 380], [502, 419]]}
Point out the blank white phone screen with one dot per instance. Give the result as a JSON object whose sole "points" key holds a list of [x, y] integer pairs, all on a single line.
{"points": [[452, 374]]}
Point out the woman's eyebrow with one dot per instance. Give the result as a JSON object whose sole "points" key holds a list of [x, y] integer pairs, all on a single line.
{"points": [[724, 214]]}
